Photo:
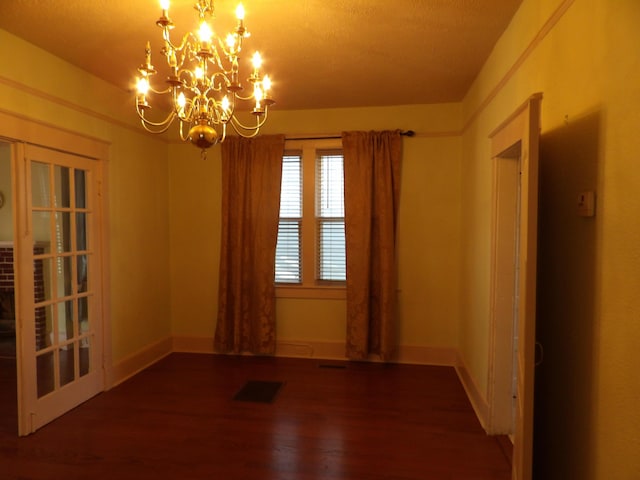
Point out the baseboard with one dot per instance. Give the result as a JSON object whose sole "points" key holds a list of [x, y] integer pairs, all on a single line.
{"points": [[476, 397], [186, 344], [325, 350], [422, 355], [138, 361], [310, 349], [410, 354]]}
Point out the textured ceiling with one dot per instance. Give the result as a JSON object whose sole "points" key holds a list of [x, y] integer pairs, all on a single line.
{"points": [[320, 53]]}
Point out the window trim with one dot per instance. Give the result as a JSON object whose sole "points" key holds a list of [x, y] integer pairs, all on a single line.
{"points": [[310, 288]]}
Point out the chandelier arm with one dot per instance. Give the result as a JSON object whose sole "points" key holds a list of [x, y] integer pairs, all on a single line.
{"points": [[184, 54], [159, 92], [147, 126], [241, 128], [188, 78], [228, 113], [187, 40], [224, 133], [222, 79], [184, 137], [229, 54], [164, 123], [223, 75], [251, 96], [244, 133], [211, 107], [216, 56], [211, 88], [187, 112]]}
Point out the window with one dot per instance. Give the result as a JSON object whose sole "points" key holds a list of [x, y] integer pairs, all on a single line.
{"points": [[288, 248], [331, 265], [311, 253]]}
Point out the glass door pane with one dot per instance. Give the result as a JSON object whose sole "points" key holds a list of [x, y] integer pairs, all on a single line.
{"points": [[60, 217]]}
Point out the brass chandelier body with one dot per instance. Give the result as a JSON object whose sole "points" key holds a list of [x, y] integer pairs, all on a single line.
{"points": [[204, 83]]}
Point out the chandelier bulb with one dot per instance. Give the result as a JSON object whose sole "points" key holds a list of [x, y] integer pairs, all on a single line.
{"points": [[143, 85], [256, 60], [240, 12], [205, 33], [225, 104], [164, 21], [182, 102], [231, 43]]}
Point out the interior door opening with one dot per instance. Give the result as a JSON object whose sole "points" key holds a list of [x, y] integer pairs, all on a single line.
{"points": [[59, 214], [8, 321], [505, 289], [514, 153], [58, 283]]}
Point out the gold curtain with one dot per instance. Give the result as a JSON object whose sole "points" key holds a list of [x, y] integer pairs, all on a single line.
{"points": [[251, 176], [372, 163]]}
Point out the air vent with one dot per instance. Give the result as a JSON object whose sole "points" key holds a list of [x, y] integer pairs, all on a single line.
{"points": [[332, 365]]}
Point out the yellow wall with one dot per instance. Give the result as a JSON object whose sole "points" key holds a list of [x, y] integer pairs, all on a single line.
{"points": [[588, 67], [195, 239], [44, 88], [428, 229]]}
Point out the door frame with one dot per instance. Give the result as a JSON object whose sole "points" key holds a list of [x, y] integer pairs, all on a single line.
{"points": [[16, 130], [503, 288], [520, 128]]}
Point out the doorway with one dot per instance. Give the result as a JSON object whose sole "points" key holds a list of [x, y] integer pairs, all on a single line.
{"points": [[8, 363], [60, 261], [504, 289], [58, 282], [514, 153]]}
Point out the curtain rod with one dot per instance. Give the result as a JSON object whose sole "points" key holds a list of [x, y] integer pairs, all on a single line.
{"points": [[404, 133]]}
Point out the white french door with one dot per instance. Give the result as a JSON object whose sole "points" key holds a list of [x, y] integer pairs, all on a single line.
{"points": [[58, 283]]}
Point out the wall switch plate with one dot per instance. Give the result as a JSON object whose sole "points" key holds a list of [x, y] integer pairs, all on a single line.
{"points": [[587, 204]]}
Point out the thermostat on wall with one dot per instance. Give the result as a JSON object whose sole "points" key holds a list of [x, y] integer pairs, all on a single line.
{"points": [[587, 204]]}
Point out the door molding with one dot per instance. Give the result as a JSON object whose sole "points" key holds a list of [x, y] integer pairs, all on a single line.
{"points": [[521, 129], [503, 292]]}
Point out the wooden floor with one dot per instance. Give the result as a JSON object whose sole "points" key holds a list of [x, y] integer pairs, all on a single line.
{"points": [[178, 420]]}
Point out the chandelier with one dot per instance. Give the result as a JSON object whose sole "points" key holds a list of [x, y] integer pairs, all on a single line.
{"points": [[204, 84]]}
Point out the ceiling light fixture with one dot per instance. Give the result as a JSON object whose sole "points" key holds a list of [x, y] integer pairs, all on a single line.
{"points": [[204, 83]]}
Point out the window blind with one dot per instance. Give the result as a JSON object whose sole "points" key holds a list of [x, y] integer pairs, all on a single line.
{"points": [[331, 250], [288, 247]]}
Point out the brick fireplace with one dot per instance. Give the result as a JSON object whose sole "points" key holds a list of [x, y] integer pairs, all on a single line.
{"points": [[7, 281]]}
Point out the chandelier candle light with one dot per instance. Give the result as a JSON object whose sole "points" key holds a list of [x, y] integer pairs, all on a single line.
{"points": [[203, 83]]}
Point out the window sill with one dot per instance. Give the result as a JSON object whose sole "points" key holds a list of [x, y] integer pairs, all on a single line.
{"points": [[322, 292]]}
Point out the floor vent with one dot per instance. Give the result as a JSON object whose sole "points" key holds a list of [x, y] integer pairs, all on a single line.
{"points": [[332, 365], [258, 391]]}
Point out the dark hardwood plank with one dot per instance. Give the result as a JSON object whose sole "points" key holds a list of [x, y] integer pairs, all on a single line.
{"points": [[8, 398], [177, 420]]}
